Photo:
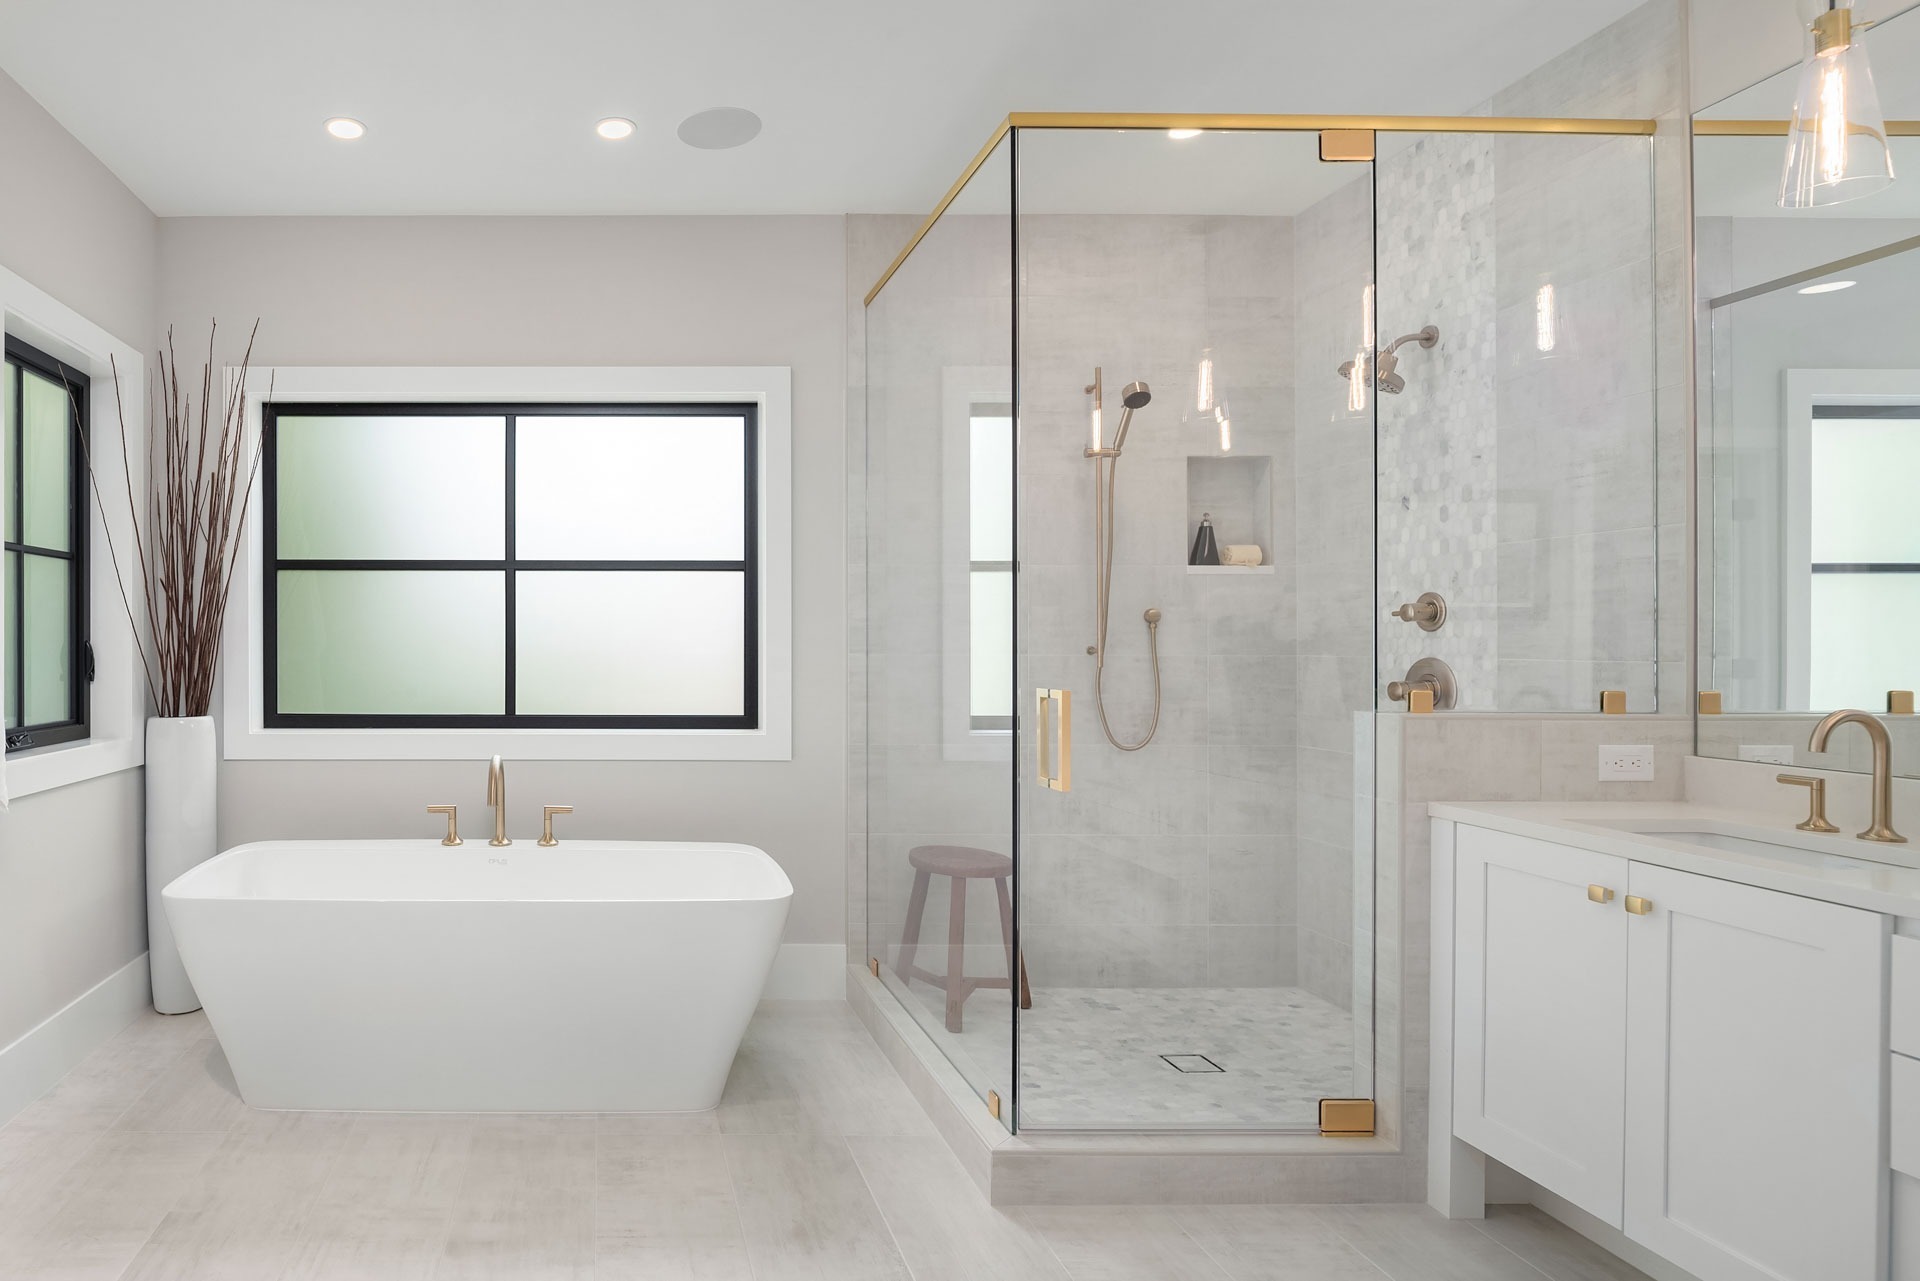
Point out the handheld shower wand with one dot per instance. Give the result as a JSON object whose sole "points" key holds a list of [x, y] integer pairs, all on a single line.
{"points": [[1106, 462]]}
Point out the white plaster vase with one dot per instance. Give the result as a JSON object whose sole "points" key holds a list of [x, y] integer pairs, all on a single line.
{"points": [[181, 765]]}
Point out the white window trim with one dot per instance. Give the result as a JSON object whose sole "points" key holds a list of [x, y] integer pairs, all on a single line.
{"points": [[770, 387], [961, 388], [1804, 389], [117, 704]]}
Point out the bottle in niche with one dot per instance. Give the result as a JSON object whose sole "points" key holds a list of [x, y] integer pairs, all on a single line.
{"points": [[1206, 550]]}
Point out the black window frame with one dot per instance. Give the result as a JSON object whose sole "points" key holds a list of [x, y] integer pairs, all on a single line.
{"points": [[77, 725], [509, 564]]}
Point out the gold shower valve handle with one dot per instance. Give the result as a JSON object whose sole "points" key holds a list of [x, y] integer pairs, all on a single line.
{"points": [[1429, 611], [453, 822]]}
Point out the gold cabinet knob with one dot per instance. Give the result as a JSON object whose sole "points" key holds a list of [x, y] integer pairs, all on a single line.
{"points": [[453, 823], [1639, 906], [1599, 894], [546, 823]]}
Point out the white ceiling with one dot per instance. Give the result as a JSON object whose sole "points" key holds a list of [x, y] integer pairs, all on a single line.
{"points": [[487, 106]]}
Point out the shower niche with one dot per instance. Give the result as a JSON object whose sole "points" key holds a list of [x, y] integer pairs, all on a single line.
{"points": [[1235, 492]]}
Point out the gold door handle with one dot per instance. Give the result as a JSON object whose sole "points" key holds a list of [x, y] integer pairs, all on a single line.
{"points": [[546, 822], [1049, 705], [1599, 894], [453, 822], [1639, 906]]}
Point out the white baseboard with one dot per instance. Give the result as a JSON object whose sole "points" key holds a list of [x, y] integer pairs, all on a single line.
{"points": [[808, 972], [34, 1063]]}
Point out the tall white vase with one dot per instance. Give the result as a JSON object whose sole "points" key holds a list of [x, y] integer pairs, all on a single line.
{"points": [[181, 765]]}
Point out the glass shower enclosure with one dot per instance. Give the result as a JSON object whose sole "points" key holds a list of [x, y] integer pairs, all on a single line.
{"points": [[1121, 611]]}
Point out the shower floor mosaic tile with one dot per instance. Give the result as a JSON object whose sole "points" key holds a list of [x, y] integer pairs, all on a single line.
{"points": [[1091, 1057]]}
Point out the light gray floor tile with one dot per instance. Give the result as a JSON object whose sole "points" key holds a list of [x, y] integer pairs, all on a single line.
{"points": [[1275, 1243], [1554, 1248], [660, 1124], [104, 1207], [814, 1070], [806, 1211], [1121, 1243], [944, 1227], [102, 1087], [195, 1093], [664, 1210], [525, 1207], [387, 1203], [238, 1218], [1413, 1243], [32, 1165]]}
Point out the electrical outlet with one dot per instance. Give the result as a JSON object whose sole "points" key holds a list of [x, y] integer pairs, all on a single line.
{"points": [[1622, 762], [1767, 753]]}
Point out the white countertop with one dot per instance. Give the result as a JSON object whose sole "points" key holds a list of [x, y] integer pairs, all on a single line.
{"points": [[1838, 868]]}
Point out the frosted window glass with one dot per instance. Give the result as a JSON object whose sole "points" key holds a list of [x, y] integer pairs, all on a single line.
{"points": [[990, 488], [631, 488], [392, 642], [1862, 483], [991, 639], [10, 442], [631, 643], [1862, 643], [12, 607], [426, 488], [46, 462], [47, 671]]}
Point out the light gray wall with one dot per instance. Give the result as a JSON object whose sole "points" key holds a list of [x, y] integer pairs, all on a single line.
{"points": [[568, 291], [72, 905]]}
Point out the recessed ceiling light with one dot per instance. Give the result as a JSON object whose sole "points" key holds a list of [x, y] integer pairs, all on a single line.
{"points": [[720, 128], [614, 128], [1179, 135], [1828, 286], [346, 128]]}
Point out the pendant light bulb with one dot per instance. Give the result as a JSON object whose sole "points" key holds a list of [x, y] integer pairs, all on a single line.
{"points": [[1837, 139]]}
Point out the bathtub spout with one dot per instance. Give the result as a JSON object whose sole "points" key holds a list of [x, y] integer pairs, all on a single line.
{"points": [[497, 797]]}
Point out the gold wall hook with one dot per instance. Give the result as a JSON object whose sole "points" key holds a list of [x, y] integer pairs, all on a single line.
{"points": [[546, 822], [453, 822]]}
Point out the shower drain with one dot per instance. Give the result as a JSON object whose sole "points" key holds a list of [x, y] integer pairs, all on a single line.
{"points": [[1191, 1063]]}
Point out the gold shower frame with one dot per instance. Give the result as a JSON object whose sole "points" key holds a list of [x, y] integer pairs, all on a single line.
{"points": [[1260, 124]]}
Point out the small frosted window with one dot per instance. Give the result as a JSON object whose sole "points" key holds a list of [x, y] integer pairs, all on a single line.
{"points": [[1862, 642], [632, 644], [990, 488], [613, 487], [392, 642], [46, 461], [390, 488], [991, 642], [1862, 482]]}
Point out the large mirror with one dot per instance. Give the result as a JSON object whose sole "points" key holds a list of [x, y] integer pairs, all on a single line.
{"points": [[1809, 429]]}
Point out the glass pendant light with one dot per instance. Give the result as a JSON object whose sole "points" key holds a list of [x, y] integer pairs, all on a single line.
{"points": [[1837, 139]]}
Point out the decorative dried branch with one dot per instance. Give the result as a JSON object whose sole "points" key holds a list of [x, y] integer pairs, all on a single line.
{"points": [[197, 493]]}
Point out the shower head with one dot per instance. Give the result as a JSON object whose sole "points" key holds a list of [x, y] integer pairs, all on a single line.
{"points": [[1134, 396], [1384, 364]]}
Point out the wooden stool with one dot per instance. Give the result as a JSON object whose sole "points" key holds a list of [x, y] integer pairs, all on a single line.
{"points": [[961, 863]]}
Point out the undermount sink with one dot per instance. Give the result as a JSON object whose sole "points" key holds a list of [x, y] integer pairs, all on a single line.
{"points": [[1711, 834], [1718, 840]]}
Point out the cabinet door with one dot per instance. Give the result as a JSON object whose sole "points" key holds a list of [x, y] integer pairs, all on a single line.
{"points": [[1540, 992], [1754, 1095]]}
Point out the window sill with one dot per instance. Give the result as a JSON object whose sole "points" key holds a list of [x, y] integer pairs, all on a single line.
{"points": [[522, 744], [43, 769]]}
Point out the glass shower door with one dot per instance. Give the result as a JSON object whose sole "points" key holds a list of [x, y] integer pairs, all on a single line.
{"points": [[939, 563]]}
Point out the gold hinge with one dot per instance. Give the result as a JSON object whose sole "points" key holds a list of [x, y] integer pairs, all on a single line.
{"points": [[1347, 1118], [993, 1105], [1340, 146], [873, 964]]}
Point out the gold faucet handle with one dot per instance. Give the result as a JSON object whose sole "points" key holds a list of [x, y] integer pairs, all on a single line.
{"points": [[1816, 801], [453, 822], [546, 822]]}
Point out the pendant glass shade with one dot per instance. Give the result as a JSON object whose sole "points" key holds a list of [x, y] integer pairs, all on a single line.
{"points": [[1837, 139]]}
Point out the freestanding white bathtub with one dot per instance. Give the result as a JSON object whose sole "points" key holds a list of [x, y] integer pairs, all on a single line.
{"points": [[597, 976]]}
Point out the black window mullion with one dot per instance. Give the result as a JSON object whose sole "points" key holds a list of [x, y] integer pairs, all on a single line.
{"points": [[512, 584]]}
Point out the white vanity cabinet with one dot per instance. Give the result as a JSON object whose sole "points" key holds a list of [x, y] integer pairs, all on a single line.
{"points": [[1695, 1061]]}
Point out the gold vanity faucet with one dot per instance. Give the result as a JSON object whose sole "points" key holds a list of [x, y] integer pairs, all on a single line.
{"points": [[497, 797], [1881, 829]]}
